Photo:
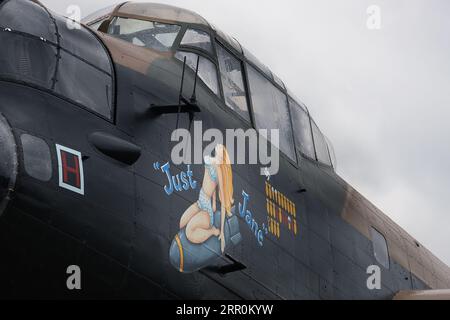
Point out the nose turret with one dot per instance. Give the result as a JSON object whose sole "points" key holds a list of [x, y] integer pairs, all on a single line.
{"points": [[8, 163]]}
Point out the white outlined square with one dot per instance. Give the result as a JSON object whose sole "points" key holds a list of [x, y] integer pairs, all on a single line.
{"points": [[62, 184]]}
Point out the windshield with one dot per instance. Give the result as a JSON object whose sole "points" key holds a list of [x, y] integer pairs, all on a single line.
{"points": [[149, 34]]}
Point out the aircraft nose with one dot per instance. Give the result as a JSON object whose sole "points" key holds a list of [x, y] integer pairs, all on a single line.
{"points": [[8, 163]]}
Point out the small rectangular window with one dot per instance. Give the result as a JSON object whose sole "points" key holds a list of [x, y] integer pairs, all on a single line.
{"points": [[197, 38], [270, 107], [207, 71], [36, 157], [233, 82], [380, 249], [302, 129], [321, 145]]}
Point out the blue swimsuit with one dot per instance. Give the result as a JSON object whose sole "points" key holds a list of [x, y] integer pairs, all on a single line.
{"points": [[204, 202]]}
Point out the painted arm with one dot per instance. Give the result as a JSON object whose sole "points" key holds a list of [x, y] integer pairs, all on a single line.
{"points": [[222, 211], [214, 201]]}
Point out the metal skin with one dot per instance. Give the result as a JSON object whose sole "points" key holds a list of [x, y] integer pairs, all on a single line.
{"points": [[120, 231], [8, 163]]}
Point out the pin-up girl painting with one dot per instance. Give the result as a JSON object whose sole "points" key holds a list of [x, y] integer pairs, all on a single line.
{"points": [[198, 219]]}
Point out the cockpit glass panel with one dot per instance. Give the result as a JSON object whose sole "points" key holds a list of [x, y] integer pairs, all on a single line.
{"points": [[83, 43], [37, 22], [77, 67], [207, 71], [197, 38], [250, 57], [27, 59], [161, 11], [96, 25], [380, 248], [322, 153], [149, 34], [85, 84], [332, 153], [278, 80], [302, 129], [230, 40], [98, 14], [233, 82], [270, 107]]}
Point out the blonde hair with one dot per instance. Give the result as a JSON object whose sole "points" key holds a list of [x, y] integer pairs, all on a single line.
{"points": [[227, 181]]}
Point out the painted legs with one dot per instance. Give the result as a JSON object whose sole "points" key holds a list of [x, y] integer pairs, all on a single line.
{"points": [[197, 223]]}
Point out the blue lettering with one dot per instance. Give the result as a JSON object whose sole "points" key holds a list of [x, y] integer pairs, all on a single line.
{"points": [[255, 227], [168, 189], [185, 181], [260, 237], [176, 182], [179, 182], [243, 208], [249, 220], [193, 183]]}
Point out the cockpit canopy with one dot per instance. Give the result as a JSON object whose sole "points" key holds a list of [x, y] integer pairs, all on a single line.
{"points": [[40, 49], [149, 11], [224, 67]]}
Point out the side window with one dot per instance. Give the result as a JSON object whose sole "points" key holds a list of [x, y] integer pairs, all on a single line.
{"points": [[197, 38], [85, 75], [86, 84], [37, 157], [302, 129], [27, 59], [232, 82], [153, 35], [380, 249], [321, 145], [270, 107], [207, 71]]}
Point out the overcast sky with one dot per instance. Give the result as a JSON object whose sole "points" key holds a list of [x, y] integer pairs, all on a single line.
{"points": [[381, 96]]}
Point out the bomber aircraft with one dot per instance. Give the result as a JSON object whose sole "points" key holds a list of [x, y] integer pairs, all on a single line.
{"points": [[92, 116]]}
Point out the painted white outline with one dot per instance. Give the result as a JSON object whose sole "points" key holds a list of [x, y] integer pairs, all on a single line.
{"points": [[62, 184]]}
